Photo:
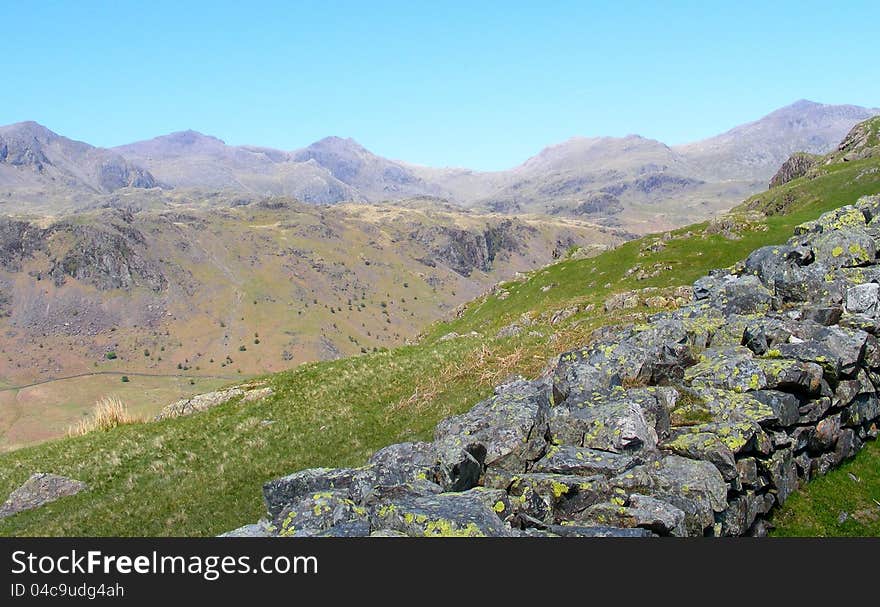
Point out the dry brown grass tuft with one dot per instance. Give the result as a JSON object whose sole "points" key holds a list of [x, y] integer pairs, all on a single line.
{"points": [[109, 412]]}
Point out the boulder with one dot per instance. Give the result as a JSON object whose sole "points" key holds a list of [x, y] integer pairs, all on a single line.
{"points": [[614, 423], [785, 406], [842, 248], [735, 294], [291, 489], [695, 487], [568, 459], [505, 431], [838, 350], [638, 511], [705, 446], [781, 472], [38, 490], [318, 512], [443, 515], [863, 299]]}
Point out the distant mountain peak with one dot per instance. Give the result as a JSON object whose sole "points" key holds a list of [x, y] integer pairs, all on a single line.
{"points": [[803, 103], [29, 129], [190, 137], [34, 157], [337, 143]]}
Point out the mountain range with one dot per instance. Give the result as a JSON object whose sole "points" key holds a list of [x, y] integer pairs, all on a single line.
{"points": [[621, 181]]}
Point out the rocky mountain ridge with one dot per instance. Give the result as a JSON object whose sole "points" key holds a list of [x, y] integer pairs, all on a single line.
{"points": [[33, 157], [619, 181]]}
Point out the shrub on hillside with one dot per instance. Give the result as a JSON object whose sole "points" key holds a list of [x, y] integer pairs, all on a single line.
{"points": [[109, 412]]}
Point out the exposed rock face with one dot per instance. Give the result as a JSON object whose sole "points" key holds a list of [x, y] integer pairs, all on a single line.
{"points": [[465, 251], [599, 202], [108, 259], [744, 394], [40, 489], [861, 141], [796, 166], [108, 256], [18, 240]]}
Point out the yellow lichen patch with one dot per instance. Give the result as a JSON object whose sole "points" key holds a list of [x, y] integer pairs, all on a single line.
{"points": [[446, 528], [560, 489]]}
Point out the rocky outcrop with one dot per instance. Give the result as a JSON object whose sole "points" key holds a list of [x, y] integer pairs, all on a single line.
{"points": [[862, 141], [18, 241], [106, 258], [697, 423], [466, 250], [796, 166], [209, 400], [111, 255], [40, 489]]}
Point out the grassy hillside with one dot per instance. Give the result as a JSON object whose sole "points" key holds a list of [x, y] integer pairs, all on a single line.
{"points": [[202, 474]]}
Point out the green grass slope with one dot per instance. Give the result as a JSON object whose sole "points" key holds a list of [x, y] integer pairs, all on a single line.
{"points": [[202, 474]]}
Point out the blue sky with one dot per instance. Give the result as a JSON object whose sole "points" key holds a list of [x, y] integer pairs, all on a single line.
{"points": [[477, 84]]}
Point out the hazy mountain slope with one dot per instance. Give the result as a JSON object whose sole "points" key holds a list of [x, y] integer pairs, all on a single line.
{"points": [[644, 185], [189, 159], [755, 150], [34, 161], [376, 178], [184, 291]]}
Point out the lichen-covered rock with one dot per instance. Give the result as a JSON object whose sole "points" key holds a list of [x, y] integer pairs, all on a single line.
{"points": [[735, 294], [575, 530], [40, 489], [728, 368], [637, 511], [863, 299], [705, 446], [837, 220], [695, 487], [864, 409], [261, 529], [729, 408], [444, 515], [785, 406], [551, 497], [780, 470], [318, 512], [404, 463], [836, 249], [355, 528], [291, 489], [791, 375], [837, 350], [613, 423], [568, 459], [506, 432]]}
